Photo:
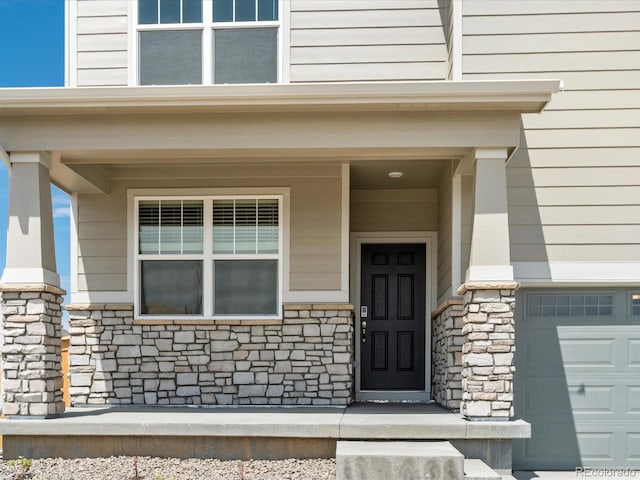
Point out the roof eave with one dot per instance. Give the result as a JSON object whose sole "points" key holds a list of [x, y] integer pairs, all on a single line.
{"points": [[524, 96]]}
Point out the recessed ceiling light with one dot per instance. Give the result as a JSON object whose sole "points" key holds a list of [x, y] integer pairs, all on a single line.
{"points": [[396, 174]]}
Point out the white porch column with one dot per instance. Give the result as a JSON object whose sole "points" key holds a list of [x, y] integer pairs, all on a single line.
{"points": [[30, 249], [489, 297], [31, 297], [490, 259]]}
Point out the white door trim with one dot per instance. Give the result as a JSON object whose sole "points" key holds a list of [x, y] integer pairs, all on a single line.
{"points": [[430, 240]]}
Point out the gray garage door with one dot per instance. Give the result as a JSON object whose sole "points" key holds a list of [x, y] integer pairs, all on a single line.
{"points": [[578, 378]]}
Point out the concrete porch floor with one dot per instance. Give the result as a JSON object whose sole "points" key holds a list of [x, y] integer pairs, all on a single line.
{"points": [[249, 432]]}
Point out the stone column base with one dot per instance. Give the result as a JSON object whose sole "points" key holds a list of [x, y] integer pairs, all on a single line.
{"points": [[31, 357], [488, 350]]}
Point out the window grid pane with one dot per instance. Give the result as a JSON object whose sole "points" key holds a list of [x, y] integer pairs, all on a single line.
{"points": [[191, 11], [223, 226], [170, 57], [147, 12], [245, 287], [635, 304], [169, 11], [267, 10], [268, 226], [170, 226], [245, 10], [574, 305], [171, 287], [245, 55]]}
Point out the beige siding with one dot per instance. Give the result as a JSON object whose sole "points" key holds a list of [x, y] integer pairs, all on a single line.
{"points": [[394, 210], [102, 55], [379, 40], [315, 222], [574, 185], [444, 238]]}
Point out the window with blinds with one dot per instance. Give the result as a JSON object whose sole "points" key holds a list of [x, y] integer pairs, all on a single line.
{"points": [[231, 270]]}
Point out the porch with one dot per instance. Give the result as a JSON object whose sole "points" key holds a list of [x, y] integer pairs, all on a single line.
{"points": [[254, 432]]}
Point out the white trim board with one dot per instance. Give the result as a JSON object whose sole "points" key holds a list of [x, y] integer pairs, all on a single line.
{"points": [[430, 240], [577, 272]]}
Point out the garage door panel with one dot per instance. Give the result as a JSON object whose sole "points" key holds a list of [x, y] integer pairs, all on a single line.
{"points": [[633, 355], [601, 352], [590, 400], [633, 447], [551, 438], [540, 352], [633, 400], [578, 383], [596, 447], [539, 392]]}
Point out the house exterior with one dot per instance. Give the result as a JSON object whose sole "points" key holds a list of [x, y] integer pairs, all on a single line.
{"points": [[306, 202]]}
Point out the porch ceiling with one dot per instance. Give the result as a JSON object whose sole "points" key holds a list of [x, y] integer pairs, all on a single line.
{"points": [[374, 175]]}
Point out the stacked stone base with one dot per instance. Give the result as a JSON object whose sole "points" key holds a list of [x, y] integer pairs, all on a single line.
{"points": [[488, 350], [305, 359], [446, 353], [31, 356]]}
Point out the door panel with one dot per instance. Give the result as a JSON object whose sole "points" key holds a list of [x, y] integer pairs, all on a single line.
{"points": [[393, 288]]}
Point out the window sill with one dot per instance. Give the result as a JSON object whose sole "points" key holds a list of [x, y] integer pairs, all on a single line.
{"points": [[220, 321]]}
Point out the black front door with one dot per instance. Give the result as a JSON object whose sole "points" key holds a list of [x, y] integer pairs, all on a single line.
{"points": [[392, 320]]}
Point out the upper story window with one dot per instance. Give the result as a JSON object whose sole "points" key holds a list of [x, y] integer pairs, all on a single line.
{"points": [[182, 42]]}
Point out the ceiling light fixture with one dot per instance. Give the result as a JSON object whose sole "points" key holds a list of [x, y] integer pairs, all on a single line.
{"points": [[396, 174]]}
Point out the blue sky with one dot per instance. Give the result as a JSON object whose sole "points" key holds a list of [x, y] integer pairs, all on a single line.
{"points": [[32, 55]]}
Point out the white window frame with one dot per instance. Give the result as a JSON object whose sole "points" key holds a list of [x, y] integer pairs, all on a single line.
{"points": [[634, 295], [207, 256], [207, 26]]}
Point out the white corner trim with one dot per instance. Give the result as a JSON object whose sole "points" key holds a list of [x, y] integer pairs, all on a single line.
{"points": [[30, 275], [73, 244], [490, 273], [132, 44], [71, 43], [456, 40], [346, 228], [284, 41], [577, 272], [456, 231]]}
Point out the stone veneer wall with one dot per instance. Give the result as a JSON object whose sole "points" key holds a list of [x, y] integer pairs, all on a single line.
{"points": [[31, 356], [488, 350], [446, 353], [304, 359]]}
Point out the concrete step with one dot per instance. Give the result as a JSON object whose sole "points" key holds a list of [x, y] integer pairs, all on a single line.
{"points": [[475, 469], [377, 460]]}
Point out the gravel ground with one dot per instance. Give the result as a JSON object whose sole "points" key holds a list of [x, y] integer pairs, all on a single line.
{"points": [[152, 468]]}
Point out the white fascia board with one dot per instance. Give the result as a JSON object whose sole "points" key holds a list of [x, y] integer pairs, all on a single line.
{"points": [[515, 95]]}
